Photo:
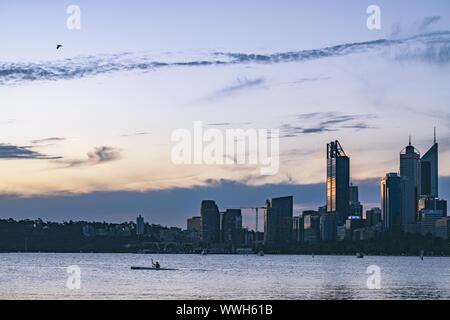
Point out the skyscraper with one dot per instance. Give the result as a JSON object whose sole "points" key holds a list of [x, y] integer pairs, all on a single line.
{"points": [[410, 171], [338, 179], [429, 203], [355, 207], [428, 221], [297, 229], [328, 227], [311, 226], [353, 193], [429, 182], [139, 225], [232, 227], [373, 217], [391, 201], [278, 220], [429, 171], [210, 222]]}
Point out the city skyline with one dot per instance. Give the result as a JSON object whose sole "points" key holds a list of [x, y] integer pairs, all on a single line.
{"points": [[86, 128], [410, 204], [318, 191], [334, 148]]}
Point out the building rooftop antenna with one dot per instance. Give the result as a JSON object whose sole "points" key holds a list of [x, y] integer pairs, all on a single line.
{"points": [[435, 135]]}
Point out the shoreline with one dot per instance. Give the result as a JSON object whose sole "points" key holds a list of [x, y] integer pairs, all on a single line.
{"points": [[229, 254]]}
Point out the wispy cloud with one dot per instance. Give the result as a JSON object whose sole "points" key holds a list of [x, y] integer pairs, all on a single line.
{"points": [[219, 124], [418, 27], [45, 140], [8, 151], [289, 131], [432, 47], [241, 85], [427, 21], [439, 39], [308, 79], [245, 123], [319, 122], [435, 51], [99, 155], [142, 133]]}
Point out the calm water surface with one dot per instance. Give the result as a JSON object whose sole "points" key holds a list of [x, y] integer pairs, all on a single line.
{"points": [[108, 276]]}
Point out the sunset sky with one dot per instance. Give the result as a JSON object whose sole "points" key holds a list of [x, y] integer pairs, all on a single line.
{"points": [[85, 130]]}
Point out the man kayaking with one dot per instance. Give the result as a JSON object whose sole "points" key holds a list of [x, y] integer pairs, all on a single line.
{"points": [[156, 265]]}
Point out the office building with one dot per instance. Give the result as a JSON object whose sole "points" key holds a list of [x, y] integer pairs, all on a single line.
{"points": [[410, 171], [391, 201], [321, 210], [355, 207], [194, 224], [373, 217], [443, 228], [311, 227], [430, 203], [210, 222], [428, 221], [355, 222], [429, 171], [328, 227], [232, 227], [297, 229], [341, 233], [140, 225], [353, 193], [338, 179], [363, 234], [278, 220]]}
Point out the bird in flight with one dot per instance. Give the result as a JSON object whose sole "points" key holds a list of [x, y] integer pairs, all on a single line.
{"points": [[58, 46]]}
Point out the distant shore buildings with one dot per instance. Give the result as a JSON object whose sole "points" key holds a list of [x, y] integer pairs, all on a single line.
{"points": [[410, 198], [194, 224], [409, 203]]}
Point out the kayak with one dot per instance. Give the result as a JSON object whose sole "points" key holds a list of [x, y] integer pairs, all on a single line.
{"points": [[150, 268]]}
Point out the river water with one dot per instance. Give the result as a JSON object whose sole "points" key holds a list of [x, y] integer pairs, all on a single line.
{"points": [[108, 276]]}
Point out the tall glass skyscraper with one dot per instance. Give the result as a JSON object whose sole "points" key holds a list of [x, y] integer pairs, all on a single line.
{"points": [[391, 201], [410, 171], [210, 222], [140, 225], [278, 220], [232, 226], [338, 181], [429, 171]]}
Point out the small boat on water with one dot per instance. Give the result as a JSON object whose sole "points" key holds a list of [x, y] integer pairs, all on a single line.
{"points": [[260, 253], [421, 254], [151, 268], [359, 255], [204, 252]]}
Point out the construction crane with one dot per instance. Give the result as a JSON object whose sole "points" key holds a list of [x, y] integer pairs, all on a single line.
{"points": [[256, 215]]}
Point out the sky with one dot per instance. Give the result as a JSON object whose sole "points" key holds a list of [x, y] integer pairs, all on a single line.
{"points": [[86, 129]]}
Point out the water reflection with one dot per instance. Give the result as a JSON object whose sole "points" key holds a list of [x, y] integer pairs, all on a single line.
{"points": [[427, 291], [331, 291]]}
